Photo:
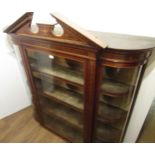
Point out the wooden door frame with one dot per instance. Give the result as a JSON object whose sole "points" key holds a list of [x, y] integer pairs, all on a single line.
{"points": [[89, 87]]}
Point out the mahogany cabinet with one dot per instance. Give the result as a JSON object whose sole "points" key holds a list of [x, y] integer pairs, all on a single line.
{"points": [[83, 83]]}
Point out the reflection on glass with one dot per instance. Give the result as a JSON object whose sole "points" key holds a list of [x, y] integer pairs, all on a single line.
{"points": [[116, 91], [69, 115], [63, 129], [122, 75], [60, 83]]}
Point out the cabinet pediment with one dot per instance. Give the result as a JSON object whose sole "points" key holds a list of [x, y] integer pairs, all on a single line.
{"points": [[62, 31]]}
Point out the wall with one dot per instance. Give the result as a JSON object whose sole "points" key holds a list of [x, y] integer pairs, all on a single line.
{"points": [[13, 93], [121, 16]]}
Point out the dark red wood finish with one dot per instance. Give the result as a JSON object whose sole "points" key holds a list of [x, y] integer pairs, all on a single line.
{"points": [[119, 59], [74, 46]]}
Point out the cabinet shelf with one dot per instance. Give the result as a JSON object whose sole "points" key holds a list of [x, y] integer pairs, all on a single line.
{"points": [[62, 129], [101, 140], [61, 72], [107, 133], [49, 78], [114, 89], [65, 97], [118, 81], [70, 117], [109, 114], [117, 125], [116, 102], [121, 75]]}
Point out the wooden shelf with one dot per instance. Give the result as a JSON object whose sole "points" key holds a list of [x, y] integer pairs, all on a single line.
{"points": [[61, 72], [109, 114], [114, 89], [122, 75], [58, 61], [65, 97], [67, 115], [118, 81], [62, 129], [107, 133], [117, 102], [118, 125], [100, 140], [50, 79]]}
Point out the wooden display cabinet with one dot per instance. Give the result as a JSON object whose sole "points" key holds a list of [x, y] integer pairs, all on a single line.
{"points": [[83, 84]]}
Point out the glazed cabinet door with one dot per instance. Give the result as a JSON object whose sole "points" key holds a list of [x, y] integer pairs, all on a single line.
{"points": [[116, 92], [59, 84]]}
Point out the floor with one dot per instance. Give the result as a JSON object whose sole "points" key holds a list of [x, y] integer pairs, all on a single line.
{"points": [[21, 127], [148, 131]]}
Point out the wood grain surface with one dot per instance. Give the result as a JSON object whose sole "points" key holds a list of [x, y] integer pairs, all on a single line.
{"points": [[21, 127]]}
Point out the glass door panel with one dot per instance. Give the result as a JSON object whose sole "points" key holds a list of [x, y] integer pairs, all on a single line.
{"points": [[60, 85], [116, 91]]}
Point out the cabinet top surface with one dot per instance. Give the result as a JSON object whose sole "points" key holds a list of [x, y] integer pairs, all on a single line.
{"points": [[125, 42]]}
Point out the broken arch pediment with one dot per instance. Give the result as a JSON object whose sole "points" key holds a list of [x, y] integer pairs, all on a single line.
{"points": [[62, 30]]}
